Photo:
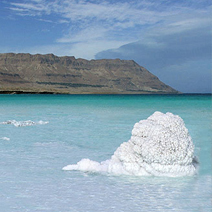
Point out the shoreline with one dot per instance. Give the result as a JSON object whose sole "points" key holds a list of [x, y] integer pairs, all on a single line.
{"points": [[57, 93]]}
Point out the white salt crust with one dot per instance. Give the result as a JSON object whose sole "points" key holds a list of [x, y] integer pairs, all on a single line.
{"points": [[5, 138], [159, 146], [24, 123]]}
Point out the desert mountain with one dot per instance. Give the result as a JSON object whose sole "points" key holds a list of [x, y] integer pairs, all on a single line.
{"points": [[48, 73]]}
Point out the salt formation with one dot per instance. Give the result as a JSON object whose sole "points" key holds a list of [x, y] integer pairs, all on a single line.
{"points": [[24, 123], [5, 138], [159, 146]]}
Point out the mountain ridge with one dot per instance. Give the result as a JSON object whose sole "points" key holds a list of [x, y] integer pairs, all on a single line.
{"points": [[27, 73]]}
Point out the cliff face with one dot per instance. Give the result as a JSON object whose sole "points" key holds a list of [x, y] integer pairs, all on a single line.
{"points": [[52, 74]]}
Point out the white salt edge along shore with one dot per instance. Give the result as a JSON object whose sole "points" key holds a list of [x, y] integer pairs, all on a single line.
{"points": [[159, 146]]}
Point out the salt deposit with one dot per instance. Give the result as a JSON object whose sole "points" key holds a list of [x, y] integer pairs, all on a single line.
{"points": [[24, 123], [159, 146], [5, 138]]}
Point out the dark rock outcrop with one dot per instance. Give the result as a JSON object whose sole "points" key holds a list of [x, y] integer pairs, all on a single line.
{"points": [[26, 73]]}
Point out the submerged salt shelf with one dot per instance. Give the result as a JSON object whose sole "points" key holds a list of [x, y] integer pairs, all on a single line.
{"points": [[159, 146]]}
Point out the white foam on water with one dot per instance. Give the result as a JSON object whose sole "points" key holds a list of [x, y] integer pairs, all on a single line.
{"points": [[24, 123], [5, 138], [159, 146]]}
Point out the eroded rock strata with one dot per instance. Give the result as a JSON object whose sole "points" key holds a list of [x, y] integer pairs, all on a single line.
{"points": [[26, 73]]}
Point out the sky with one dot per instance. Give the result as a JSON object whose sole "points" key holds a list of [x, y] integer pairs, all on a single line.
{"points": [[171, 38]]}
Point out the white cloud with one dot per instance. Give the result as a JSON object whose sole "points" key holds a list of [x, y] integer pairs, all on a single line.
{"points": [[93, 33], [30, 9], [84, 50], [91, 48], [118, 14], [91, 22]]}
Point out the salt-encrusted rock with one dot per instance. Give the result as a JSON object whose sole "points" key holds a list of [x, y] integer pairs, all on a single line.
{"points": [[159, 146]]}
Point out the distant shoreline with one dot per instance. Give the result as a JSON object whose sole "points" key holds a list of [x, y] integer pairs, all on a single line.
{"points": [[96, 94]]}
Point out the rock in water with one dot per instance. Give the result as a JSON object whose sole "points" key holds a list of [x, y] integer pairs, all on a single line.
{"points": [[159, 146]]}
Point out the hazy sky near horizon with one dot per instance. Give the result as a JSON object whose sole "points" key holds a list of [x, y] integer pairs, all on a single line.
{"points": [[171, 38]]}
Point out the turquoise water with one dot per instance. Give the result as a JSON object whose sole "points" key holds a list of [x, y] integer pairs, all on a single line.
{"points": [[83, 126]]}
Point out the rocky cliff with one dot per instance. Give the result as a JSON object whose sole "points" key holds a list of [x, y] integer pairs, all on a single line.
{"points": [[48, 73]]}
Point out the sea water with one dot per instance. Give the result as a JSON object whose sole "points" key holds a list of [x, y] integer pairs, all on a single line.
{"points": [[40, 134]]}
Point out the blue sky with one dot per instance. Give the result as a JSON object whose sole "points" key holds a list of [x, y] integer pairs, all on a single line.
{"points": [[171, 38]]}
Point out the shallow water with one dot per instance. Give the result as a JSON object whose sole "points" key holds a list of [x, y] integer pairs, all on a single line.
{"points": [[83, 126]]}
